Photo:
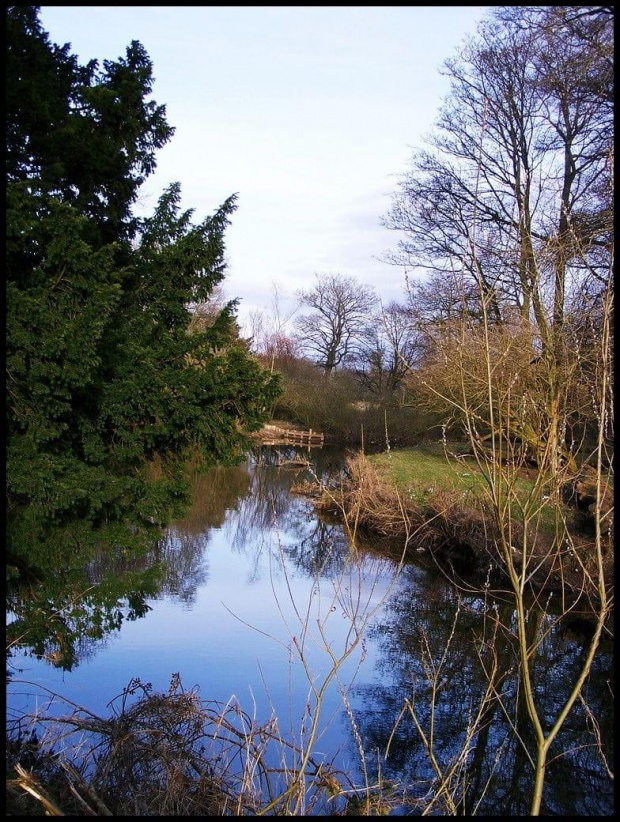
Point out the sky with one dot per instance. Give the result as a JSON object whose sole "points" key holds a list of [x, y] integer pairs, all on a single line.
{"points": [[309, 113]]}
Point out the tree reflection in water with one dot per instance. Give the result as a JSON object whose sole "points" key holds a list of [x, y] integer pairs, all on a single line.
{"points": [[181, 550], [67, 616], [272, 519], [412, 634]]}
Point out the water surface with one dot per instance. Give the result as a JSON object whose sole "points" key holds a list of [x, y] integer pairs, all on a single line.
{"points": [[261, 601]]}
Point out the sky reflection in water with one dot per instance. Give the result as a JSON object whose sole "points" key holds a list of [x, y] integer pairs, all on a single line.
{"points": [[249, 566]]}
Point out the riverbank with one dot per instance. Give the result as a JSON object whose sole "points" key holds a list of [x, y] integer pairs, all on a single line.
{"points": [[427, 503]]}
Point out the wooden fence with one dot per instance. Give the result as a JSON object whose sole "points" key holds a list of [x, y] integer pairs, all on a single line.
{"points": [[272, 435]]}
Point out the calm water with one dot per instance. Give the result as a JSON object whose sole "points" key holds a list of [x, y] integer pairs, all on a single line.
{"points": [[259, 597]]}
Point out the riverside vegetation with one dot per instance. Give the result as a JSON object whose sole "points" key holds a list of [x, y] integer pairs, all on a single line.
{"points": [[123, 364], [432, 498]]}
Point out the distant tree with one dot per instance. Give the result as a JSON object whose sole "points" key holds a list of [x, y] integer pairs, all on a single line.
{"points": [[340, 309], [390, 348], [205, 313], [106, 389], [270, 336]]}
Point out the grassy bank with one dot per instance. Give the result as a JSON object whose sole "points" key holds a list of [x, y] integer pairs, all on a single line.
{"points": [[435, 499]]}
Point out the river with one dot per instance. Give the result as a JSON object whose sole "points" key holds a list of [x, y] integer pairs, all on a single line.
{"points": [[261, 603]]}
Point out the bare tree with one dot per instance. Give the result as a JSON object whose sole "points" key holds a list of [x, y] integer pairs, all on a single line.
{"points": [[521, 176], [204, 314], [390, 348], [270, 336], [521, 151], [340, 308], [512, 198]]}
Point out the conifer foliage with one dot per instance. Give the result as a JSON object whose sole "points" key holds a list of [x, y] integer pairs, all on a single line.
{"points": [[105, 380]]}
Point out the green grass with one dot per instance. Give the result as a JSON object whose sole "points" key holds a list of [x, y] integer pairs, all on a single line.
{"points": [[423, 471]]}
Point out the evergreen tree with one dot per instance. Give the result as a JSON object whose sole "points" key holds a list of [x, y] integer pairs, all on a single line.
{"points": [[108, 392]]}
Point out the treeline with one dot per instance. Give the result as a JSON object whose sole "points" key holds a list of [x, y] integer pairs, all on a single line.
{"points": [[344, 361], [505, 223]]}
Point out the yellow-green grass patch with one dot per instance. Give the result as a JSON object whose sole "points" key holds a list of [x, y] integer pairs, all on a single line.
{"points": [[422, 472]]}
